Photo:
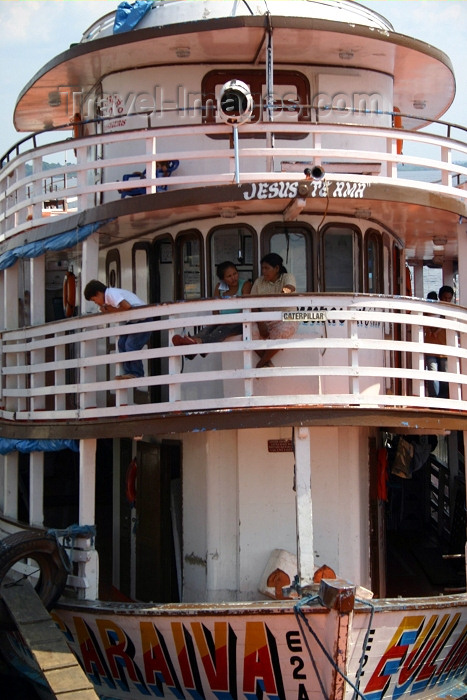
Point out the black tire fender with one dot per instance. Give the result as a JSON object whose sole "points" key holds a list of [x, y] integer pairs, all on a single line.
{"points": [[50, 557]]}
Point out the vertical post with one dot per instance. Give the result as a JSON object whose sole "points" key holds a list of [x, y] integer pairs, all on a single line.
{"points": [[36, 489], [37, 305], [151, 164], [10, 313], [87, 478], [10, 485], [89, 271], [462, 291], [304, 511], [270, 88], [236, 160], [88, 566]]}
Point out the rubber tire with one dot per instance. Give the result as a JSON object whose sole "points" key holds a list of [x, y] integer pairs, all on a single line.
{"points": [[49, 555]]}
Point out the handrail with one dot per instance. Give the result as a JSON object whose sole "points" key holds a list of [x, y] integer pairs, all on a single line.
{"points": [[100, 123], [365, 351], [95, 179]]}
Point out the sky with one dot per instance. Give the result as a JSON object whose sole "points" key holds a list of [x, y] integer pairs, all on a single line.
{"points": [[34, 31]]}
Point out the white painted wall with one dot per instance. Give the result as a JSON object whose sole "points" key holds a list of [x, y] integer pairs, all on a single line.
{"points": [[340, 495]]}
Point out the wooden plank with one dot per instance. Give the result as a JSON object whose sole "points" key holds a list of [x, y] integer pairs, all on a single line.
{"points": [[47, 644]]}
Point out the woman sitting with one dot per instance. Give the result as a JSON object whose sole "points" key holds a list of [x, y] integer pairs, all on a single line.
{"points": [[229, 286], [274, 280]]}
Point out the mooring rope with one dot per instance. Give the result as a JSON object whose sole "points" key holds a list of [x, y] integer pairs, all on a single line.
{"points": [[299, 614]]}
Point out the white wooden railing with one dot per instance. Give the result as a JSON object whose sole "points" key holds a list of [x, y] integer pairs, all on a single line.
{"points": [[91, 179], [367, 351]]}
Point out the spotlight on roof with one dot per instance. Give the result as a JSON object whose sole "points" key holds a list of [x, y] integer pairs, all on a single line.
{"points": [[235, 103]]}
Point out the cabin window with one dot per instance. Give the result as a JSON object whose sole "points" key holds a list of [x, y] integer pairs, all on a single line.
{"points": [[291, 95], [293, 243], [234, 243], [162, 270], [140, 254], [374, 263], [341, 253], [113, 269], [189, 252]]}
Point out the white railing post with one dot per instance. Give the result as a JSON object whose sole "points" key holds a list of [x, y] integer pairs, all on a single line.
{"points": [[353, 358], [151, 165], [37, 317], [37, 188], [175, 367], [446, 175], [247, 360], [418, 359]]}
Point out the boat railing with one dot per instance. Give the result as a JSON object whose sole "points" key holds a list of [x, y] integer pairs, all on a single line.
{"points": [[347, 350], [104, 26], [91, 178]]}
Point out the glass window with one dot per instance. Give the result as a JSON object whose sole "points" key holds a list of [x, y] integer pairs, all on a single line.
{"points": [[292, 247], [189, 251], [342, 271], [374, 262], [234, 243]]}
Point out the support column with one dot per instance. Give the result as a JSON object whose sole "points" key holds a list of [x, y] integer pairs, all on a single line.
{"points": [[10, 485], [89, 270], [305, 552], [462, 257], [36, 489], [418, 281], [462, 290], [87, 482], [84, 552]]}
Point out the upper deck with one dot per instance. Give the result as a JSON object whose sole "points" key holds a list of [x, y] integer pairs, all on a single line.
{"points": [[355, 359]]}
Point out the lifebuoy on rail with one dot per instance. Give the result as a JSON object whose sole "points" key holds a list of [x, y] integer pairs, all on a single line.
{"points": [[69, 294], [51, 559], [397, 123], [130, 483]]}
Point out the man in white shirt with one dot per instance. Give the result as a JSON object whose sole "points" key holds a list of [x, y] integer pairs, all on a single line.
{"points": [[111, 300]]}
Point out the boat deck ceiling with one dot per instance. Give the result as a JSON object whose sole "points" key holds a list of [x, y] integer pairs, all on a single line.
{"points": [[297, 41], [413, 215]]}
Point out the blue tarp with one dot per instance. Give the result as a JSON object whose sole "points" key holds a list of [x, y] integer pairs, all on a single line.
{"points": [[128, 15], [60, 242], [10, 445]]}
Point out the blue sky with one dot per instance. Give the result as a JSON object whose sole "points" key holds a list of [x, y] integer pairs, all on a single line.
{"points": [[34, 31]]}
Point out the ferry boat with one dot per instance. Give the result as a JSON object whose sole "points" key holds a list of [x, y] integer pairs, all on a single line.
{"points": [[223, 527]]}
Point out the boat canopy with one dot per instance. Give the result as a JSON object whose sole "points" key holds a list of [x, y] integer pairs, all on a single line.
{"points": [[62, 241], [10, 444]]}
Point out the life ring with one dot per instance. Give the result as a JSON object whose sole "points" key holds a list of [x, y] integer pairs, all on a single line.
{"points": [[69, 294], [50, 557], [130, 483], [397, 123]]}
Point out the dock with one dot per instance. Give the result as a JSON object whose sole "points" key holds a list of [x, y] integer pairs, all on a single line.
{"points": [[47, 644]]}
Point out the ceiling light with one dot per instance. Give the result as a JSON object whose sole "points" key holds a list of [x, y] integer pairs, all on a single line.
{"points": [[419, 104], [439, 241], [346, 55], [182, 51]]}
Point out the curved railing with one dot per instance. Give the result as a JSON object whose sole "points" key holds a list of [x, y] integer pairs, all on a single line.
{"points": [[77, 184], [351, 350], [104, 26]]}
